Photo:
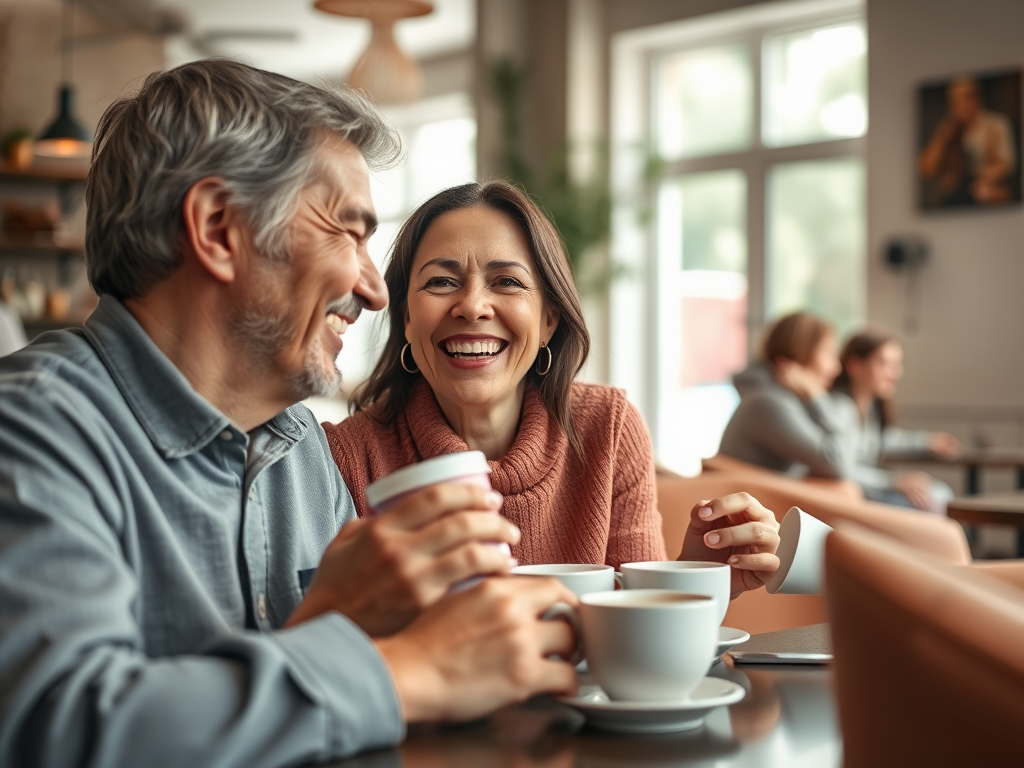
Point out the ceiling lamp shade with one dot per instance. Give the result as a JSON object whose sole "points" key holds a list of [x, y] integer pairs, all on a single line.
{"points": [[384, 70], [65, 137]]}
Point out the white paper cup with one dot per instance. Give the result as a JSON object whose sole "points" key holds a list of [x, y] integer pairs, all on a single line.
{"points": [[464, 467], [801, 554], [468, 467], [581, 578], [648, 644], [699, 578]]}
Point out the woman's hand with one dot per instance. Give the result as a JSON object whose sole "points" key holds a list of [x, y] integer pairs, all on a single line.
{"points": [[798, 379], [916, 486], [737, 530], [943, 444]]}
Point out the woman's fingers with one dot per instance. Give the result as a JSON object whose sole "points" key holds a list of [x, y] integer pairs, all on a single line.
{"points": [[733, 504], [758, 562], [762, 534]]}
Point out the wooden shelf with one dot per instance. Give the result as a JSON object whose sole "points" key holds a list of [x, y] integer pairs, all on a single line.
{"points": [[59, 172], [42, 242]]}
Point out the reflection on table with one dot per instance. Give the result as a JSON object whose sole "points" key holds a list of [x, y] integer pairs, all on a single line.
{"points": [[788, 719]]}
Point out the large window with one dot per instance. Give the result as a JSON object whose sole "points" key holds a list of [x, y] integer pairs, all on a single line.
{"points": [[756, 119]]}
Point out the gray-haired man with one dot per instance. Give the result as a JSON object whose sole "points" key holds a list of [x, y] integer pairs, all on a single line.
{"points": [[164, 504]]}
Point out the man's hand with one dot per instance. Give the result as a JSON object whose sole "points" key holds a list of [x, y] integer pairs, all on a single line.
{"points": [[382, 571], [737, 530], [482, 649]]}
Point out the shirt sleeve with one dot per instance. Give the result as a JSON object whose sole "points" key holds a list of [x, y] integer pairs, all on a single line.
{"points": [[809, 433], [635, 533], [79, 687], [905, 442]]}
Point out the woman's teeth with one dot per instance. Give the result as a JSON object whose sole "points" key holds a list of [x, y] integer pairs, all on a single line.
{"points": [[474, 348], [337, 325]]}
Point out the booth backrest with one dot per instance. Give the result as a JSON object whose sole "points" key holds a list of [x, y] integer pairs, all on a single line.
{"points": [[929, 668], [760, 612]]}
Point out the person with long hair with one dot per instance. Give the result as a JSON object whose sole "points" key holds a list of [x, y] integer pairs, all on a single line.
{"points": [[872, 364], [786, 420], [486, 338]]}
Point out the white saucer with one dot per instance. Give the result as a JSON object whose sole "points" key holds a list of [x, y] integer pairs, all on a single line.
{"points": [[728, 637], [654, 716]]}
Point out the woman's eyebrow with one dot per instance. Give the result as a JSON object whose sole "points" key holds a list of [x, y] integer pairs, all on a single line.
{"points": [[506, 265], [453, 265]]}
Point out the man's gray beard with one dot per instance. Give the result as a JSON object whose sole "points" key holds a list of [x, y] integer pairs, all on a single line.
{"points": [[263, 336]]}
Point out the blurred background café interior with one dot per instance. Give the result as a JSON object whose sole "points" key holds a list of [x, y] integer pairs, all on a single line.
{"points": [[712, 164]]}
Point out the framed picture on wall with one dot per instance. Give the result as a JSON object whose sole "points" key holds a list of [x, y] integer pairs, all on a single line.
{"points": [[969, 141]]}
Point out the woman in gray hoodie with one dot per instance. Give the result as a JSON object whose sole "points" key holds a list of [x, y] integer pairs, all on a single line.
{"points": [[786, 421]]}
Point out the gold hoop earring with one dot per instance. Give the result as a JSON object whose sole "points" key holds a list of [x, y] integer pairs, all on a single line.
{"points": [[547, 368], [401, 359]]}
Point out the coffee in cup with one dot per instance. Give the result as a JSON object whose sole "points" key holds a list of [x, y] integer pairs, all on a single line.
{"points": [[697, 577]]}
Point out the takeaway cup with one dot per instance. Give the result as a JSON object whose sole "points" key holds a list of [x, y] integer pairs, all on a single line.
{"points": [[801, 555]]}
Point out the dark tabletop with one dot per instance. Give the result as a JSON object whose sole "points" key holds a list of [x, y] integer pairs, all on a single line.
{"points": [[787, 719]]}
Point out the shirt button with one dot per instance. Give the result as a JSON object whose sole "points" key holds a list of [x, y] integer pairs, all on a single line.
{"points": [[261, 606], [253, 495], [226, 435]]}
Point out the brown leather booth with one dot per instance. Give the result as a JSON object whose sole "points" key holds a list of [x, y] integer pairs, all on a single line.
{"points": [[759, 611], [929, 656]]}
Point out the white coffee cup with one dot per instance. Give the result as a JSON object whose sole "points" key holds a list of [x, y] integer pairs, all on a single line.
{"points": [[581, 578], [801, 555], [648, 644], [699, 578]]}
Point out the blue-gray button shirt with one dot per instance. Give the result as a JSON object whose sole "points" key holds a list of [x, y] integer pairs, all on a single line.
{"points": [[149, 553]]}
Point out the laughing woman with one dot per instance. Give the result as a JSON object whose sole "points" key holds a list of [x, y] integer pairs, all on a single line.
{"points": [[486, 337]]}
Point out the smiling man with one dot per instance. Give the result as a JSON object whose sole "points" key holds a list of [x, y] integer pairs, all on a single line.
{"points": [[174, 588]]}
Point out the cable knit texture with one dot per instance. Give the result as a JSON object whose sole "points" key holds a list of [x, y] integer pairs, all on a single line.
{"points": [[600, 510]]}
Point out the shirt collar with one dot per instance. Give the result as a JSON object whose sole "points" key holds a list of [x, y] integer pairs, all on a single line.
{"points": [[178, 420]]}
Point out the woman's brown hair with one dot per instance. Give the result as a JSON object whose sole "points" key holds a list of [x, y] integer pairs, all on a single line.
{"points": [[389, 385], [862, 346], [796, 336]]}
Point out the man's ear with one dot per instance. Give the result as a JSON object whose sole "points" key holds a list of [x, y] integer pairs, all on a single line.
{"points": [[211, 228]]}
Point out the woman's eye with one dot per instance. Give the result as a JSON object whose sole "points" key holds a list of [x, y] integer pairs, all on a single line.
{"points": [[440, 282], [508, 282]]}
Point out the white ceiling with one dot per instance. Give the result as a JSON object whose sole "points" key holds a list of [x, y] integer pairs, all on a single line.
{"points": [[325, 45]]}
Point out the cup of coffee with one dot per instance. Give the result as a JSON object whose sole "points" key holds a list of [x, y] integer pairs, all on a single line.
{"points": [[468, 467], [699, 578], [801, 555], [648, 644], [581, 578]]}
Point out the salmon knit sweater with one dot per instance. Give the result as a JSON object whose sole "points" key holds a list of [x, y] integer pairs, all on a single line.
{"points": [[599, 510]]}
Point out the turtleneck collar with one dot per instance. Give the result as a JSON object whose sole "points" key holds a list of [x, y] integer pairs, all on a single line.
{"points": [[539, 446]]}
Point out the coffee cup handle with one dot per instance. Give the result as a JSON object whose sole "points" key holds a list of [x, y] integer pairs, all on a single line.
{"points": [[570, 616]]}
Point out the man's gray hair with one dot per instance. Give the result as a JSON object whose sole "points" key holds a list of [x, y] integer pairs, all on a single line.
{"points": [[255, 130]]}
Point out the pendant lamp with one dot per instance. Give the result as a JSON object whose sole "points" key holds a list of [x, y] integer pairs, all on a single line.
{"points": [[384, 70], [65, 137]]}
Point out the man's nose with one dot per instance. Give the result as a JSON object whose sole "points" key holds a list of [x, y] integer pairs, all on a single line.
{"points": [[370, 289]]}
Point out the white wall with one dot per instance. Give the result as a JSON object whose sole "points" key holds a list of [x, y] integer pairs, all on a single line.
{"points": [[965, 364]]}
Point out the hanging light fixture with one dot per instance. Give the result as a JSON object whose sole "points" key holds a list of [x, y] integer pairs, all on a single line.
{"points": [[384, 70], [65, 137]]}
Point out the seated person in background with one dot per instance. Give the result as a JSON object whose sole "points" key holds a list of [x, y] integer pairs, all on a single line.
{"points": [[486, 337], [174, 589], [872, 365], [786, 420]]}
